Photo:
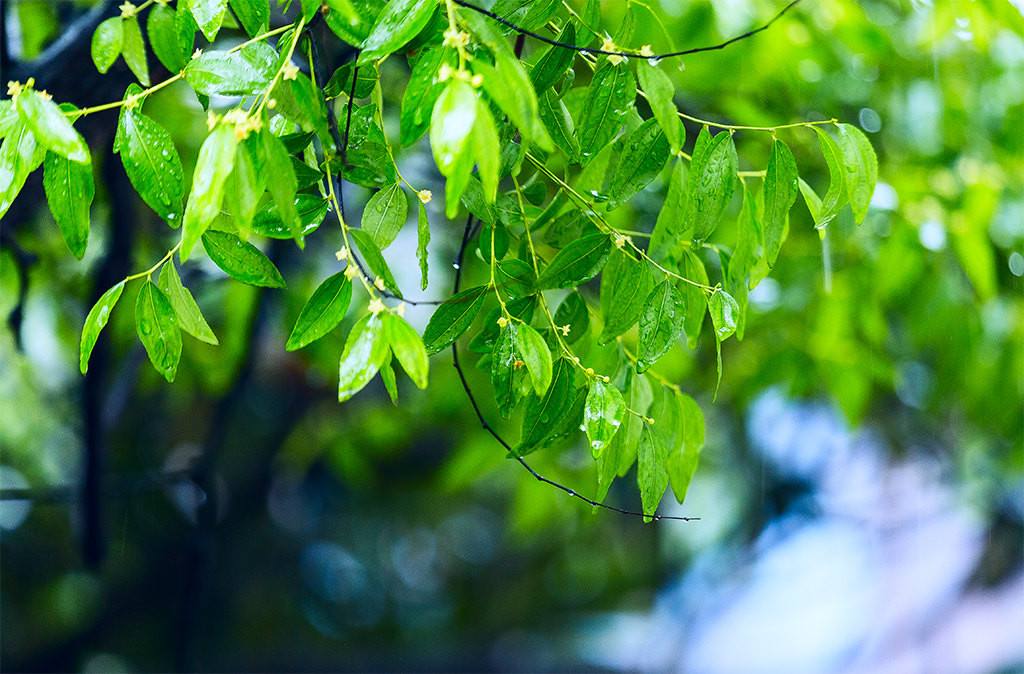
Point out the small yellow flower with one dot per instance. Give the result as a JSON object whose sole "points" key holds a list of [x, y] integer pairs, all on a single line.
{"points": [[378, 283], [590, 371], [44, 94], [425, 196], [271, 103], [649, 420], [341, 254], [290, 72], [463, 75], [646, 51], [455, 38], [351, 271], [400, 310], [127, 9], [197, 53], [477, 81], [376, 306], [620, 241], [565, 330], [444, 73], [609, 45], [13, 88], [502, 322]]}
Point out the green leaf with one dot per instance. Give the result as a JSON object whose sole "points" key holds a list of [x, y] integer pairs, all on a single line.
{"points": [[95, 322], [487, 151], [385, 215], [610, 96], [407, 345], [652, 470], [399, 22], [780, 188], [254, 15], [214, 165], [660, 93], [51, 127], [283, 186], [555, 61], [246, 185], [451, 124], [387, 375], [8, 117], [644, 155], [515, 278], [365, 352], [711, 185], [835, 197], [322, 311], [422, 240], [241, 260], [696, 300], [544, 413], [510, 88], [504, 371], [572, 312], [158, 331], [421, 93], [106, 43], [133, 49], [537, 357], [374, 260], [69, 191], [661, 323], [350, 20], [558, 122], [625, 284], [602, 414], [453, 318], [861, 168], [152, 164], [209, 15], [341, 81], [724, 312], [190, 316], [20, 155], [683, 459], [578, 262], [669, 228], [168, 37], [244, 72], [620, 454], [311, 209]]}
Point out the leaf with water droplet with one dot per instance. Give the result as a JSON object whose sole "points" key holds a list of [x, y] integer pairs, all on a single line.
{"points": [[324, 310], [712, 181], [365, 352], [546, 413], [602, 415], [578, 262], [385, 214], [69, 191], [157, 327], [95, 322], [453, 318], [398, 22], [51, 127], [247, 71], [190, 316], [152, 163], [661, 323], [241, 260], [644, 155], [780, 189], [625, 283], [106, 44], [407, 345], [611, 94], [537, 358], [652, 469], [660, 92], [213, 167], [860, 168]]}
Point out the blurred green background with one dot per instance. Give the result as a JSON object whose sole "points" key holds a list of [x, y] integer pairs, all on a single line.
{"points": [[862, 490]]}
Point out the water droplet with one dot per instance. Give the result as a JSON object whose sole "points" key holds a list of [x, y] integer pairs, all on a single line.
{"points": [[597, 444], [654, 61], [171, 216], [584, 53], [616, 423], [144, 327], [456, 265], [168, 361], [582, 427]]}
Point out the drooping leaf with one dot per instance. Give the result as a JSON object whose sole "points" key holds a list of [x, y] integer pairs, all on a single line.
{"points": [[486, 151], [407, 345], [711, 185], [580, 261], [51, 127], [106, 43], [643, 157], [555, 61], [398, 22], [610, 96], [69, 191], [245, 185], [133, 49], [558, 122], [602, 415], [421, 93], [670, 226], [724, 312], [422, 241], [536, 356], [95, 322], [376, 263], [625, 284], [214, 165], [365, 352], [209, 15], [152, 164], [692, 267], [835, 197], [453, 317], [544, 413], [157, 327], [861, 168], [683, 459], [660, 93], [505, 364], [170, 40], [652, 470], [451, 124], [385, 215], [780, 188], [661, 323], [253, 14], [20, 155], [241, 261], [311, 209], [283, 185], [324, 310], [190, 316]]}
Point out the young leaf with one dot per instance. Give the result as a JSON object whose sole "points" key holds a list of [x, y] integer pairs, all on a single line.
{"points": [[365, 352], [245, 186], [660, 92], [422, 240], [712, 181], [106, 43], [652, 471], [682, 461], [407, 345], [247, 71], [696, 300], [214, 165], [724, 311], [861, 168], [133, 48], [387, 375], [95, 322], [241, 261], [625, 284], [398, 22], [610, 96], [602, 414], [374, 260], [453, 318], [510, 88], [209, 15], [322, 311], [644, 155], [69, 191], [190, 316], [580, 261], [661, 323], [385, 215], [152, 164], [158, 331], [537, 357], [51, 127], [780, 188]]}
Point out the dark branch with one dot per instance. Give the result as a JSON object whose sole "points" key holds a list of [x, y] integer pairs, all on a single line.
{"points": [[626, 54]]}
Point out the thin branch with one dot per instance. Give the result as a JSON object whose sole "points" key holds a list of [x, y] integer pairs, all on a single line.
{"points": [[627, 54]]}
